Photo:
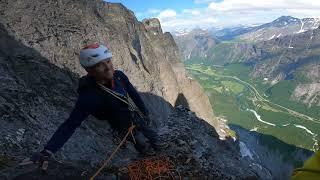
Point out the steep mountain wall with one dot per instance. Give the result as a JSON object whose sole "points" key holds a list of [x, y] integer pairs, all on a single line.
{"points": [[293, 57], [58, 29], [196, 43], [39, 46], [190, 93], [39, 72]]}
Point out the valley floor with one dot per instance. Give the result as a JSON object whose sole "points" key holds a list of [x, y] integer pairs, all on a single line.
{"points": [[244, 102]]}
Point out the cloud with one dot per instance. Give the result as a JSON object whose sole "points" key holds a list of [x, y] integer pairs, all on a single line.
{"points": [[248, 5], [192, 11], [187, 18], [222, 13], [304, 12], [168, 13]]}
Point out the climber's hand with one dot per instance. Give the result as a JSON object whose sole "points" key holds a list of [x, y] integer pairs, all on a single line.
{"points": [[41, 158], [38, 157]]}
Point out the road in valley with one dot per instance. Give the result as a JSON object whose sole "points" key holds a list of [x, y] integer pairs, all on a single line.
{"points": [[259, 97]]}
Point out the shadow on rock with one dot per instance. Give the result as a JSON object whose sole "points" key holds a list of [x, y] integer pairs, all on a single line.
{"points": [[277, 156], [37, 96]]}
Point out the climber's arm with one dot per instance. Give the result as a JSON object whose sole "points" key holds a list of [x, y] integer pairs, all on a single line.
{"points": [[66, 129]]}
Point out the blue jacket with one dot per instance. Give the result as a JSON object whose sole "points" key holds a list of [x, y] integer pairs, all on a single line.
{"points": [[92, 100]]}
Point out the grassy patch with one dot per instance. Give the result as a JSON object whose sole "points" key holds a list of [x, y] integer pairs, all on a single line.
{"points": [[226, 105], [269, 108], [233, 86]]}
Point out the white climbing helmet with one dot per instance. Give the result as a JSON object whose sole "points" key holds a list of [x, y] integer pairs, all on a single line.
{"points": [[93, 54]]}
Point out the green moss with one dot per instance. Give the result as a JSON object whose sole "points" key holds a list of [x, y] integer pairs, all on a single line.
{"points": [[231, 133]]}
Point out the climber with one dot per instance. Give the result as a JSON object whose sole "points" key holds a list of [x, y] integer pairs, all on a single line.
{"points": [[102, 93]]}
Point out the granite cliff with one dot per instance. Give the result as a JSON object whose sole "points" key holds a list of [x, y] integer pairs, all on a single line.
{"points": [[39, 46]]}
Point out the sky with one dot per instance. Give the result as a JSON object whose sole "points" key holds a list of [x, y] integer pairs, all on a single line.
{"points": [[189, 14]]}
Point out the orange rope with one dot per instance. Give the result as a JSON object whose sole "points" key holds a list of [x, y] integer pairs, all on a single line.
{"points": [[114, 152], [153, 168]]}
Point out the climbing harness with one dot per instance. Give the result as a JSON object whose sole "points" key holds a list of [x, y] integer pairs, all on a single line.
{"points": [[126, 99], [130, 132]]}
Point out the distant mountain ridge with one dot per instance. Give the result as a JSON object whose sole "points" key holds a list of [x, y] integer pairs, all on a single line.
{"points": [[285, 25], [195, 43], [278, 50], [281, 26]]}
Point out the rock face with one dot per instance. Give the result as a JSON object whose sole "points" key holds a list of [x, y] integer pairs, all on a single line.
{"points": [[153, 25], [39, 72], [175, 78], [194, 149], [293, 57], [196, 43], [58, 30], [307, 93]]}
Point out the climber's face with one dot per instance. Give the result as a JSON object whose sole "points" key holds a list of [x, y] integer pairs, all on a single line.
{"points": [[102, 71]]}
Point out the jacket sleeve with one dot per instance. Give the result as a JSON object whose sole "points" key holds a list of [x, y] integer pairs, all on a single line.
{"points": [[133, 93], [66, 129]]}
